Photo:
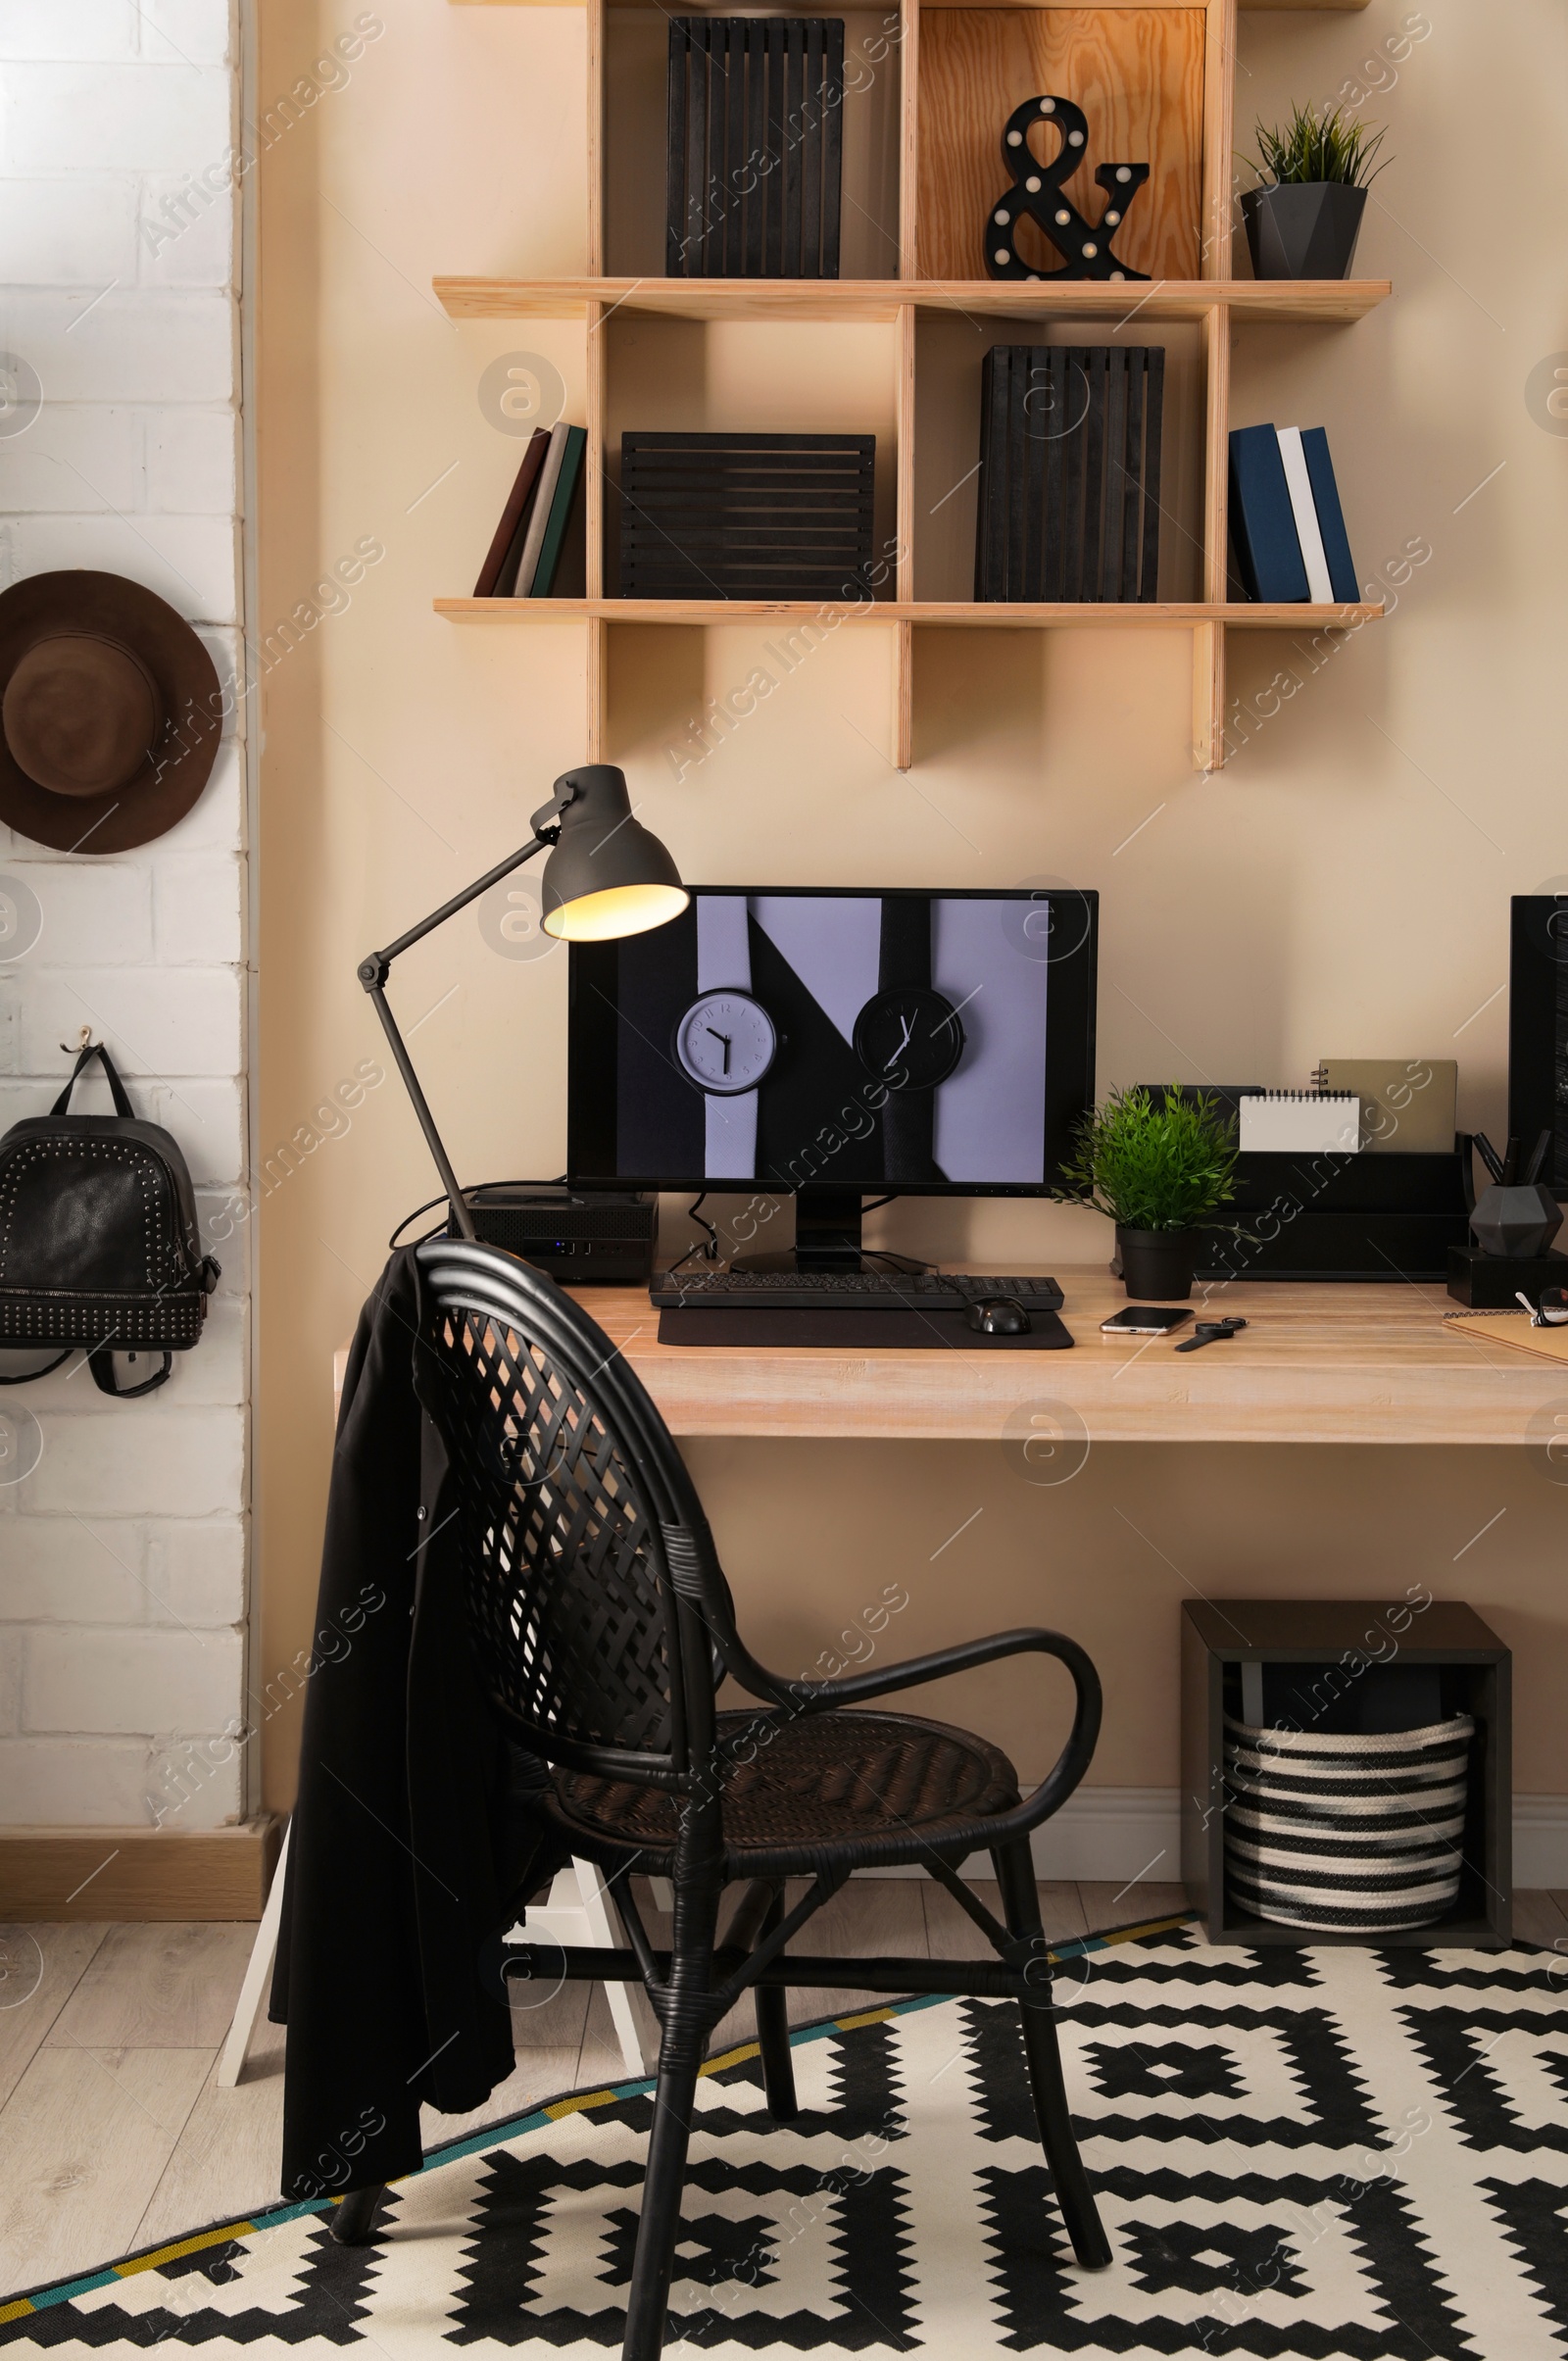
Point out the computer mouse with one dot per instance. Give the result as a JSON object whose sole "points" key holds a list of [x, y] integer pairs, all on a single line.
{"points": [[998, 1315]]}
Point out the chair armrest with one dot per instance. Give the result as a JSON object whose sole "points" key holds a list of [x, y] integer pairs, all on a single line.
{"points": [[817, 1697]]}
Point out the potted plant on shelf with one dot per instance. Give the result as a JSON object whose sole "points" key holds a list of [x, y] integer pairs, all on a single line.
{"points": [[1303, 220], [1157, 1171]]}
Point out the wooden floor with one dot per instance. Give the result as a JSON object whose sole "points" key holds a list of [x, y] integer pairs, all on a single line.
{"points": [[114, 2136]]}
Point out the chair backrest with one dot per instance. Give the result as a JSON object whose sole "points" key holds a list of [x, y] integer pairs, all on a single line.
{"points": [[587, 1563]]}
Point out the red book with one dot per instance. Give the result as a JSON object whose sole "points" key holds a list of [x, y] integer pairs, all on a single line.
{"points": [[512, 516]]}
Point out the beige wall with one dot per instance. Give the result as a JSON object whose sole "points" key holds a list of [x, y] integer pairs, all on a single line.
{"points": [[1340, 889]]}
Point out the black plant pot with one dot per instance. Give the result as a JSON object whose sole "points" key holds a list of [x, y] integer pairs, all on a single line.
{"points": [[1157, 1265], [1303, 230]]}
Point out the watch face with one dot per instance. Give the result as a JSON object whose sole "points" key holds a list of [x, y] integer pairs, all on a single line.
{"points": [[725, 1041], [910, 1037]]}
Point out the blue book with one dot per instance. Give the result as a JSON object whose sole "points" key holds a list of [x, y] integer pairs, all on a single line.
{"points": [[1330, 515], [1268, 548]]}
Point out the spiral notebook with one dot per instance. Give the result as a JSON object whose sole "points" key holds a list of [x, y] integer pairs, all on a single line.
{"points": [[1510, 1328]]}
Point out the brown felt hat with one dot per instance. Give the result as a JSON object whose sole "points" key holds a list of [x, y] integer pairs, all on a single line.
{"points": [[110, 713]]}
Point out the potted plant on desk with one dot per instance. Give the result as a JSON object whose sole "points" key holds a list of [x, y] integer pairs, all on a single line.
{"points": [[1159, 1171], [1303, 222]]}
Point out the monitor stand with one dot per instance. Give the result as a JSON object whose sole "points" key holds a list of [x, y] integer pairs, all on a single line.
{"points": [[827, 1238]]}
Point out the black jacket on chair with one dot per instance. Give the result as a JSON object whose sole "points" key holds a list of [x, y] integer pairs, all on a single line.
{"points": [[412, 1842]]}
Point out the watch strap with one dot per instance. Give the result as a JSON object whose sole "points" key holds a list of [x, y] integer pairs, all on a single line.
{"points": [[724, 962], [723, 942], [908, 1127], [904, 959]]}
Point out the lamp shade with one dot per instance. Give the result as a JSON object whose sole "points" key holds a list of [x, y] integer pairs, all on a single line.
{"points": [[607, 875]]}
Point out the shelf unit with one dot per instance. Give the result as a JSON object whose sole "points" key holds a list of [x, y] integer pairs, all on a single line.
{"points": [[1219, 1635], [1171, 65]]}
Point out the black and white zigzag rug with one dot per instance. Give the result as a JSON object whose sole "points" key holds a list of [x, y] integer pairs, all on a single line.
{"points": [[1321, 2153]]}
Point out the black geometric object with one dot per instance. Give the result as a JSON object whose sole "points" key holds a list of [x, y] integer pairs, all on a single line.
{"points": [[1085, 247], [746, 515], [1516, 1221], [1069, 505], [1303, 229], [755, 147]]}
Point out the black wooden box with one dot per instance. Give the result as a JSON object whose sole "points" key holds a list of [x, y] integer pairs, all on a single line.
{"points": [[755, 144], [1219, 1635], [746, 515]]}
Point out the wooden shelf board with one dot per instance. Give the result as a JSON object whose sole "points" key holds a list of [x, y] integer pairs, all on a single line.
{"points": [[1324, 300], [1299, 7], [963, 614]]}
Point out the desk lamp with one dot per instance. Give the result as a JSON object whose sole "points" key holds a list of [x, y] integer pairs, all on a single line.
{"points": [[606, 876]]}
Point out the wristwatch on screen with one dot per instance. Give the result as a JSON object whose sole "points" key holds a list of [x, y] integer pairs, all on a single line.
{"points": [[726, 1041], [910, 1036]]}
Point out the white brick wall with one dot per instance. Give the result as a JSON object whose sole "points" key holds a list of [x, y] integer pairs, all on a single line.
{"points": [[123, 1554]]}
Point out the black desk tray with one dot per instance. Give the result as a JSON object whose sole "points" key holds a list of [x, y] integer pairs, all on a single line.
{"points": [[1341, 1217]]}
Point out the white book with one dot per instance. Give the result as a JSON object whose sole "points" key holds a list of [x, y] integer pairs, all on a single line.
{"points": [[1300, 1122], [1319, 587], [544, 496]]}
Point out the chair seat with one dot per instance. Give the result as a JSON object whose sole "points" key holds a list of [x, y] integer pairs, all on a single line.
{"points": [[888, 1780]]}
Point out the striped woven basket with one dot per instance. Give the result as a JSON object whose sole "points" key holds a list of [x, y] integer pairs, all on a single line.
{"points": [[1345, 1835]]}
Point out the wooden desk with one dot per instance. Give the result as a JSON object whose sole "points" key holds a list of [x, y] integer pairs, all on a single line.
{"points": [[1320, 1364]]}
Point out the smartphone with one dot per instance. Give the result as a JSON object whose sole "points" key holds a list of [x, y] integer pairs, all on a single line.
{"points": [[1145, 1319]]}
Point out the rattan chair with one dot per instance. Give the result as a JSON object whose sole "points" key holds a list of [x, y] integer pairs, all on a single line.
{"points": [[604, 1625]]}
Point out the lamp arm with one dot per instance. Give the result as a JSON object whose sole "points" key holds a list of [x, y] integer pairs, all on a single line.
{"points": [[375, 972]]}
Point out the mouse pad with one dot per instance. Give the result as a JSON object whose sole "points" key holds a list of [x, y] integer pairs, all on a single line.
{"points": [[854, 1331]]}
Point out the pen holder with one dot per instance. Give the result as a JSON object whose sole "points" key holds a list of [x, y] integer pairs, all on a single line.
{"points": [[1519, 1222]]}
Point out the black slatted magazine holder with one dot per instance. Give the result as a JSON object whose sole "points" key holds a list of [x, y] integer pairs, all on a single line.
{"points": [[1068, 506], [746, 515], [755, 147]]}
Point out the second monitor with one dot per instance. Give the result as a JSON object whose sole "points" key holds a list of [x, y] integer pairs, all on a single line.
{"points": [[836, 1041]]}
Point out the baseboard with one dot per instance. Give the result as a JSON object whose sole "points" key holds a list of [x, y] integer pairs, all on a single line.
{"points": [[136, 1873], [1541, 1840], [1118, 1832]]}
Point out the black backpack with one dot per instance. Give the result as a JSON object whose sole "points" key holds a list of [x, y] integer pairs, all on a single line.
{"points": [[99, 1249]]}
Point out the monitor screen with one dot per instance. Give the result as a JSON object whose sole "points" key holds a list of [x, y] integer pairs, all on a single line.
{"points": [[795, 1037], [1537, 1029]]}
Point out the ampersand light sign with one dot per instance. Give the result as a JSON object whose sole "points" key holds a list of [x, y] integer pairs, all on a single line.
{"points": [[1085, 247]]}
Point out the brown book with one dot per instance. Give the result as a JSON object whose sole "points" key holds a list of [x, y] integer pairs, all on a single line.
{"points": [[512, 516]]}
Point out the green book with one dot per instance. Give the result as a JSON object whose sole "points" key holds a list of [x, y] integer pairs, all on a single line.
{"points": [[560, 511]]}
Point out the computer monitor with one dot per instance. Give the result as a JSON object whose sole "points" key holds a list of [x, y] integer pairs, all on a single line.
{"points": [[1537, 1029], [837, 1042]]}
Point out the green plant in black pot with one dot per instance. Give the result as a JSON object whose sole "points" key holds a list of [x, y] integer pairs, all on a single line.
{"points": [[1303, 222], [1159, 1170]]}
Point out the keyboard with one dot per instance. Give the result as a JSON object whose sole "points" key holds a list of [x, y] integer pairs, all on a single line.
{"points": [[844, 1291]]}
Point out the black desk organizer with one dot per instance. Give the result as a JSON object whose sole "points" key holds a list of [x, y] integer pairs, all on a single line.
{"points": [[1219, 1635], [1068, 503], [1350, 1217], [755, 147], [746, 515]]}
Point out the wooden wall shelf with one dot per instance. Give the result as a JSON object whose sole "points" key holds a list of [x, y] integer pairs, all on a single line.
{"points": [[1165, 90], [963, 613], [1305, 302]]}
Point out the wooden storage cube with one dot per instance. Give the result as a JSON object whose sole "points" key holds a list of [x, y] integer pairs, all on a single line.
{"points": [[634, 144], [714, 376], [1219, 1635], [950, 353], [1136, 74]]}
